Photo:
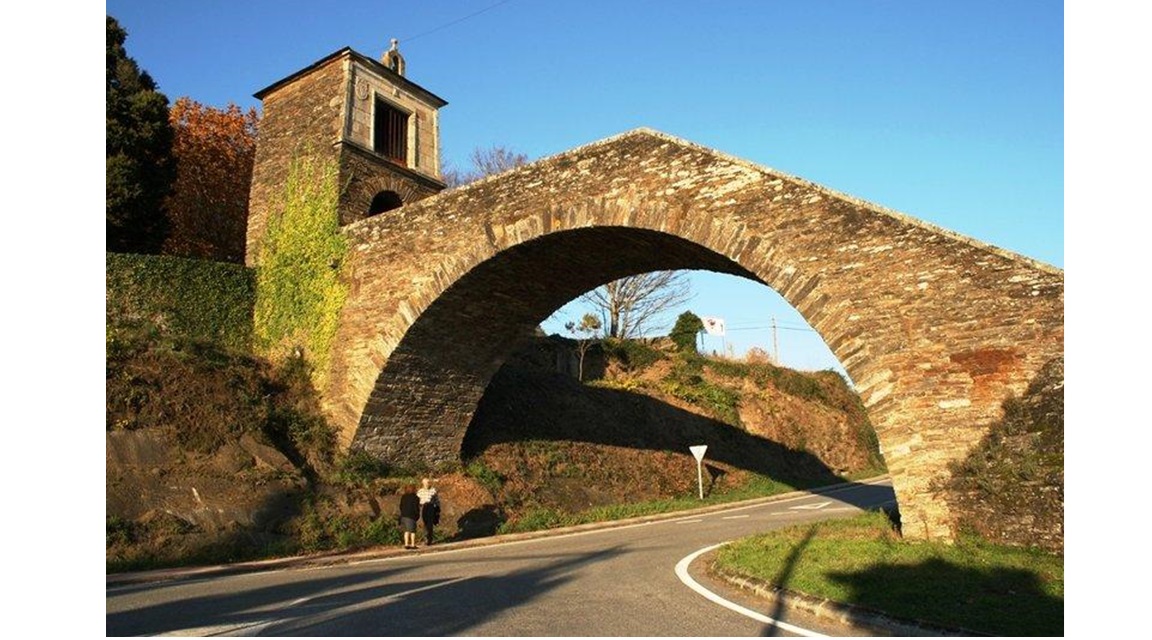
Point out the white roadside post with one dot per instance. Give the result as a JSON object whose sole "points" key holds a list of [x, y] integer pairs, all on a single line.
{"points": [[698, 451]]}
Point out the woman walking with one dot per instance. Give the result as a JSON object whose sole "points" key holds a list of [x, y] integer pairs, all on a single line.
{"points": [[409, 514]]}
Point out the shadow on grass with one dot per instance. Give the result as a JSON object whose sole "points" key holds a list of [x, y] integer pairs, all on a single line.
{"points": [[782, 578], [997, 601]]}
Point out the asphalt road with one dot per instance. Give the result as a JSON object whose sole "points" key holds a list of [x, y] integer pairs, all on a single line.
{"points": [[615, 581]]}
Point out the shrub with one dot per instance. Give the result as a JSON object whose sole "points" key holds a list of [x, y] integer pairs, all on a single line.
{"points": [[633, 354], [358, 467], [684, 331], [686, 383], [197, 300]]}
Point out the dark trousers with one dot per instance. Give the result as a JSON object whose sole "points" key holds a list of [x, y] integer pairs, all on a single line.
{"points": [[428, 530]]}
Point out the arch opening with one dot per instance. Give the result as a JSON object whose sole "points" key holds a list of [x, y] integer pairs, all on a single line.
{"points": [[758, 322], [451, 351], [385, 201], [637, 403]]}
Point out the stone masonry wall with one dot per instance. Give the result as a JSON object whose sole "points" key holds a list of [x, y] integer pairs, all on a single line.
{"points": [[363, 175], [423, 131], [303, 116], [1010, 487], [328, 112]]}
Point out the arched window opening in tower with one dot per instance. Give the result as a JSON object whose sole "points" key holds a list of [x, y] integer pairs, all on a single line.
{"points": [[385, 201]]}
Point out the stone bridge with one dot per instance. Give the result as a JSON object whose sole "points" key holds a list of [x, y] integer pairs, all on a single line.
{"points": [[935, 329]]}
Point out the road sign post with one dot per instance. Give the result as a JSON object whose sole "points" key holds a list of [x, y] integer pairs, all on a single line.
{"points": [[698, 451]]}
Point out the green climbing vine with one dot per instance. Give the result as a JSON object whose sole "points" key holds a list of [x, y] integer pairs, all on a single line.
{"points": [[299, 292]]}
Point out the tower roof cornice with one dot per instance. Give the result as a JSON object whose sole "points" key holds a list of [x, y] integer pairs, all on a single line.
{"points": [[374, 65]]}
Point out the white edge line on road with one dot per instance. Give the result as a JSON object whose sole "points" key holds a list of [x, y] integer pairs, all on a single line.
{"points": [[682, 573], [736, 517]]}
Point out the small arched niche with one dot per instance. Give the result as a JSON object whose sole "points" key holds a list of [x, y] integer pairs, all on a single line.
{"points": [[385, 201]]}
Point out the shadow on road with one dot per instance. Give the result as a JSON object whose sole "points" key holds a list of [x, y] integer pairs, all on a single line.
{"points": [[357, 605]]}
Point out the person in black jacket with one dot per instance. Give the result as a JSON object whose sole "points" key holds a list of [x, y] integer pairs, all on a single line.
{"points": [[429, 508], [409, 514]]}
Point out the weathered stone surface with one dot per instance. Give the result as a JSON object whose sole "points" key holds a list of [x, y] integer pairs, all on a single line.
{"points": [[1010, 487], [136, 449], [265, 456], [935, 329], [246, 484], [325, 111]]}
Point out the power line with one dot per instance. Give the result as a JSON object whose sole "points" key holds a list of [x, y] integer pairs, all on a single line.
{"points": [[456, 21], [782, 328]]}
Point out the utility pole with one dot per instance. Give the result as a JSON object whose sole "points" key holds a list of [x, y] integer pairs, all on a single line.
{"points": [[775, 344]]}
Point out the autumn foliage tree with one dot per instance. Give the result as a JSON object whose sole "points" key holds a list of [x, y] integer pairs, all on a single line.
{"points": [[208, 207]]}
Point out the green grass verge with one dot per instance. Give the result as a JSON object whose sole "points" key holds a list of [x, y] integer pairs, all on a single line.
{"points": [[973, 584], [547, 518]]}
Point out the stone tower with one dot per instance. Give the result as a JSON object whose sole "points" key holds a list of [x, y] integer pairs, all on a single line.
{"points": [[381, 128]]}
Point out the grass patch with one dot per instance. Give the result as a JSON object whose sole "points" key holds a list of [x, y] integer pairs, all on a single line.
{"points": [[687, 383], [548, 518], [972, 584], [486, 476]]}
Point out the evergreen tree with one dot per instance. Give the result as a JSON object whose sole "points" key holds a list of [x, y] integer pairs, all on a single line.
{"points": [[139, 169], [688, 324]]}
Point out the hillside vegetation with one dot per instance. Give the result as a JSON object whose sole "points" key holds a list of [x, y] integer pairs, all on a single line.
{"points": [[216, 455], [557, 446]]}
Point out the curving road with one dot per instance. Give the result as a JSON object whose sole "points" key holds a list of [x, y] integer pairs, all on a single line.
{"points": [[614, 581]]}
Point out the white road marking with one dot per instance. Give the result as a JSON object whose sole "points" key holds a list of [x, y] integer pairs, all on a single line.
{"points": [[735, 517], [812, 507], [688, 521], [682, 573]]}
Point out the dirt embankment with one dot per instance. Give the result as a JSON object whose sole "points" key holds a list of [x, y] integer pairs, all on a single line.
{"points": [[213, 457], [623, 434]]}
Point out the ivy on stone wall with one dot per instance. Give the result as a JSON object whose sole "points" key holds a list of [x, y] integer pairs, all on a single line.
{"points": [[194, 299], [299, 293]]}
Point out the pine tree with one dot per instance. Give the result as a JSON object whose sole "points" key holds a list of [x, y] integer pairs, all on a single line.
{"points": [[139, 169]]}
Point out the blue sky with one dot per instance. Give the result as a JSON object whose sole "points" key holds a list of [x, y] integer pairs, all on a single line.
{"points": [[949, 112]]}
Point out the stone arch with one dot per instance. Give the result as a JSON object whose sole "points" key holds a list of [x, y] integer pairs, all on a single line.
{"points": [[386, 200], [362, 187], [935, 329]]}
